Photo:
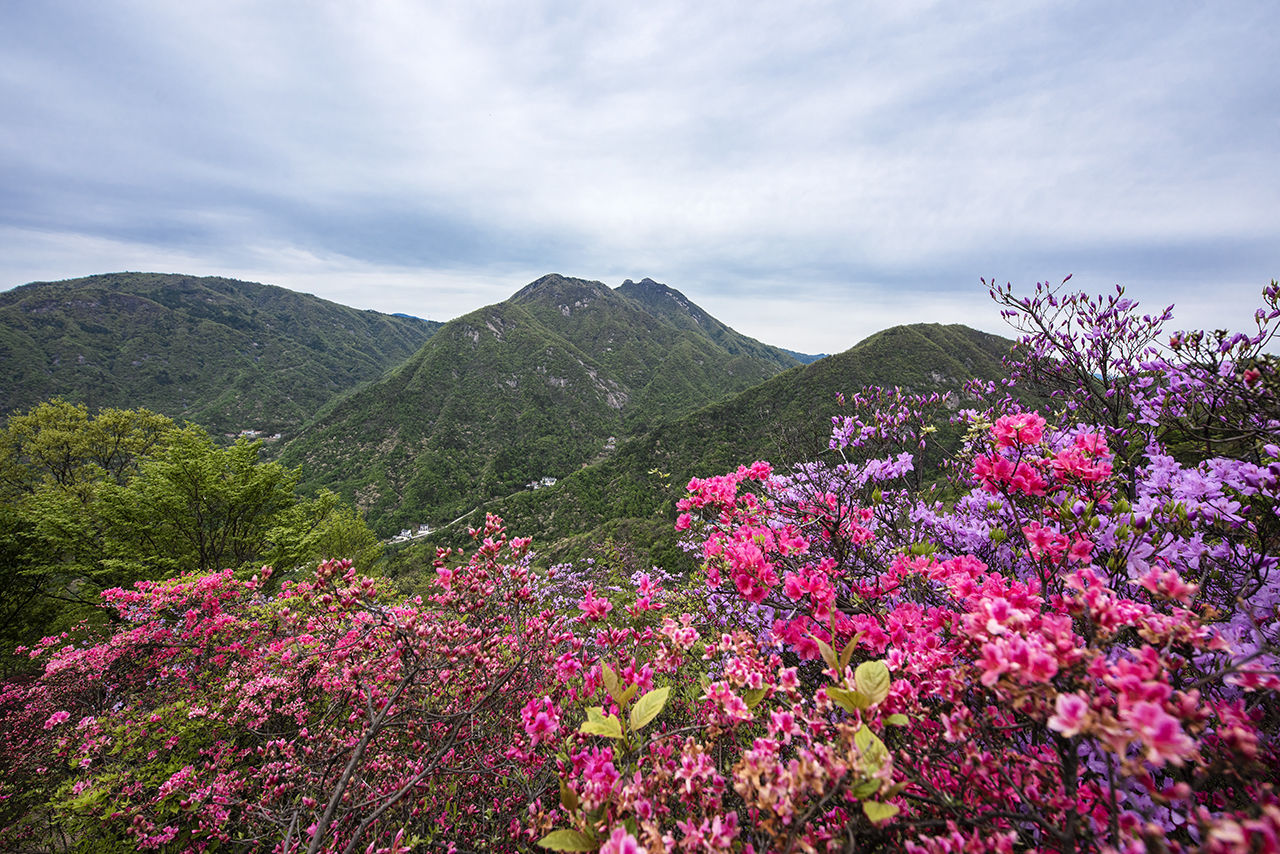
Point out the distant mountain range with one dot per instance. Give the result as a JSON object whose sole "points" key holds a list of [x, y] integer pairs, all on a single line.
{"points": [[605, 399], [226, 354]]}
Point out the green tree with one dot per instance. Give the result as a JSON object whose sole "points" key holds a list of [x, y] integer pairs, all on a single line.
{"points": [[316, 529], [54, 461], [91, 502], [194, 507], [59, 443]]}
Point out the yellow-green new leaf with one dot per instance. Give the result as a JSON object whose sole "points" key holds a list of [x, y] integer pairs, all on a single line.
{"points": [[567, 840], [871, 747], [872, 679], [847, 653], [610, 679], [898, 719], [850, 701], [628, 694], [597, 724], [877, 811], [568, 798], [753, 696], [865, 789], [828, 654], [648, 707]]}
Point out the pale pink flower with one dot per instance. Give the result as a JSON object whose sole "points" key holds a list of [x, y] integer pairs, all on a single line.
{"points": [[1161, 732], [620, 842], [1069, 714], [56, 718]]}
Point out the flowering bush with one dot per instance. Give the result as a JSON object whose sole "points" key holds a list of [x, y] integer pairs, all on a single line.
{"points": [[1077, 651], [324, 718], [1070, 643]]}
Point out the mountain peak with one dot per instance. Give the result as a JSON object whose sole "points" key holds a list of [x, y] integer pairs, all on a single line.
{"points": [[665, 300], [646, 283], [556, 286]]}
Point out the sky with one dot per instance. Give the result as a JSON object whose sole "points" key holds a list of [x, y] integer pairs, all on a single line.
{"points": [[807, 172]]}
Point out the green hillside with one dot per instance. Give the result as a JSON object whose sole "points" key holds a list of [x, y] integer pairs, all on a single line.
{"points": [[533, 387], [226, 354], [787, 418]]}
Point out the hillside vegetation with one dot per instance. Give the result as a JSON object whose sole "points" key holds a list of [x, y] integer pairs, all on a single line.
{"points": [[629, 497], [1058, 635], [530, 388], [226, 354]]}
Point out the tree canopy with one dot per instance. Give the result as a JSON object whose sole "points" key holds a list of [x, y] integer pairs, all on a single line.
{"points": [[99, 500]]}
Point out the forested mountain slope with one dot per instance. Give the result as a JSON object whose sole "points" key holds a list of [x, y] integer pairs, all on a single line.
{"points": [[785, 419], [226, 354], [529, 388]]}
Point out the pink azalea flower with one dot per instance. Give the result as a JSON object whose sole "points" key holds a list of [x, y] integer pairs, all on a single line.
{"points": [[1069, 714], [1161, 733], [595, 607], [1024, 428], [56, 718], [620, 842], [541, 720]]}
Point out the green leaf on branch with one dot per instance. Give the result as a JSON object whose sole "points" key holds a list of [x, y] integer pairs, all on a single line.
{"points": [[567, 840], [847, 653], [865, 789], [850, 701], [877, 811], [871, 747], [828, 654], [610, 680], [628, 694], [568, 798], [872, 679], [897, 720], [648, 707], [753, 696], [597, 724]]}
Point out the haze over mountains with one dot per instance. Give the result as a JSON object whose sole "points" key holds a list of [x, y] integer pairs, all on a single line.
{"points": [[418, 422]]}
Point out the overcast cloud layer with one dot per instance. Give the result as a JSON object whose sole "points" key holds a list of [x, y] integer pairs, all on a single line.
{"points": [[807, 172]]}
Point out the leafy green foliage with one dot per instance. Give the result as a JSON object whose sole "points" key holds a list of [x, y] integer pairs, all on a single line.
{"points": [[568, 840], [649, 707], [91, 502], [226, 354], [194, 507], [59, 443]]}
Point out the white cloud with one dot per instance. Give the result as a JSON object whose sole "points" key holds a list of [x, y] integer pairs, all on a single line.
{"points": [[888, 153]]}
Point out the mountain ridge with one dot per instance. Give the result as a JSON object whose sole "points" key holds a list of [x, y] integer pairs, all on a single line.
{"points": [[531, 387], [224, 353], [629, 497]]}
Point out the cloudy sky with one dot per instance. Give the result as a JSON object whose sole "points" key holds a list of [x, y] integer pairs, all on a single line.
{"points": [[807, 172]]}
